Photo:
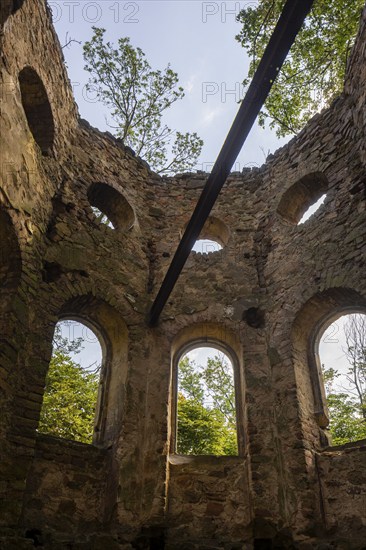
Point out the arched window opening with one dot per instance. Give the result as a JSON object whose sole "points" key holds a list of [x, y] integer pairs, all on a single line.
{"points": [[69, 407], [213, 237], [37, 109], [342, 355], [110, 208], [303, 198], [206, 403]]}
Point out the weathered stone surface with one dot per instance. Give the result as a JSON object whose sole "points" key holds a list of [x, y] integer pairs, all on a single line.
{"points": [[263, 295]]}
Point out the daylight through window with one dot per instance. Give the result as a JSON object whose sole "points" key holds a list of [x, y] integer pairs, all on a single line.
{"points": [[206, 246], [72, 383], [206, 408], [342, 351]]}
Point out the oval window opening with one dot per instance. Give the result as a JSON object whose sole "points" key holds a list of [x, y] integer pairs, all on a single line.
{"points": [[312, 209], [37, 109], [342, 353], [69, 408], [213, 237], [206, 246], [306, 193], [110, 208], [206, 404]]}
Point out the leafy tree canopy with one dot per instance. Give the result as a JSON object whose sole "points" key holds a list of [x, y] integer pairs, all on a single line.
{"points": [[313, 73], [206, 408], [137, 97], [346, 423], [70, 396]]}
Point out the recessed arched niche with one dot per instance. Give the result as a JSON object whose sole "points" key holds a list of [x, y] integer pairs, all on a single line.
{"points": [[37, 109], [110, 207], [301, 196]]}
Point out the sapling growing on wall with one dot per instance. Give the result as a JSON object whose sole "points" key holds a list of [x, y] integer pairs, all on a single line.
{"points": [[137, 97]]}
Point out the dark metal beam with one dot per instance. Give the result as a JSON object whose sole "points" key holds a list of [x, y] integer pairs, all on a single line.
{"points": [[287, 28]]}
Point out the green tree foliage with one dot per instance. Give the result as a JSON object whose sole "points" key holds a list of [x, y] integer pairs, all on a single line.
{"points": [[346, 423], [313, 74], [70, 396], [137, 97], [347, 407], [206, 408]]}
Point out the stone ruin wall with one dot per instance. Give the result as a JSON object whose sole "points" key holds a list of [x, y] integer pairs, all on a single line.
{"points": [[264, 295]]}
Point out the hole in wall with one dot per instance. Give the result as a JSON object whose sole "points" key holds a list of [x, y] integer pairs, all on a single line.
{"points": [[37, 109], [51, 272], [17, 4], [254, 317], [69, 408], [206, 403], [342, 357], [301, 196], [263, 544], [36, 536], [110, 208]]}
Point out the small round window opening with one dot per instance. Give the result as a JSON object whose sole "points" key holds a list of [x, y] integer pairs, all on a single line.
{"points": [[214, 236], [303, 198], [110, 208], [342, 356], [69, 408], [206, 404]]}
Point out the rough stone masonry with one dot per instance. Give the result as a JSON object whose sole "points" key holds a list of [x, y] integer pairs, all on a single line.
{"points": [[264, 296]]}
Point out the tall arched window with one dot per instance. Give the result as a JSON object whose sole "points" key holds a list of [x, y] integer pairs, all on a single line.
{"points": [[342, 355], [70, 404], [205, 416]]}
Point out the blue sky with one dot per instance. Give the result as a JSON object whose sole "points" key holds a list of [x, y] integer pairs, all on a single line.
{"points": [[197, 39]]}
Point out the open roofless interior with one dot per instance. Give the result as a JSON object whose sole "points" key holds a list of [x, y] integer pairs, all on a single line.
{"points": [[88, 232]]}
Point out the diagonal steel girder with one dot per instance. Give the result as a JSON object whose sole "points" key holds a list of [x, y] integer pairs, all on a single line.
{"points": [[287, 28]]}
